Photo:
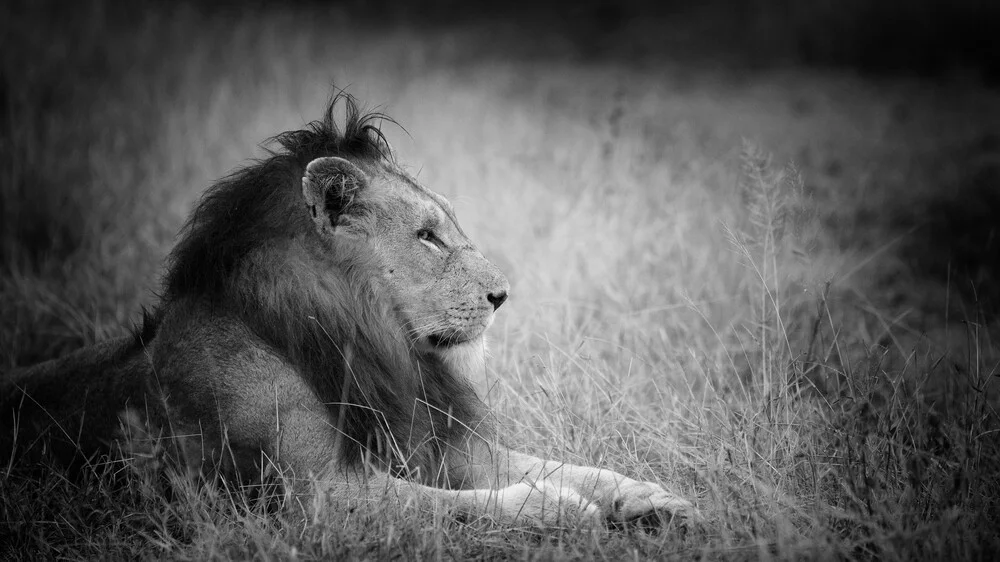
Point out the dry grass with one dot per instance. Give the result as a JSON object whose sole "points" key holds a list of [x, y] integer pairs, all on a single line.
{"points": [[684, 310]]}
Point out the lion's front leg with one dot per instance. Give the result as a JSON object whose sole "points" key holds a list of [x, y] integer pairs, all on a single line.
{"points": [[540, 502], [619, 498], [307, 446]]}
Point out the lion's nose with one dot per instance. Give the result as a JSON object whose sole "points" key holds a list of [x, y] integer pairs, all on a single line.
{"points": [[497, 298]]}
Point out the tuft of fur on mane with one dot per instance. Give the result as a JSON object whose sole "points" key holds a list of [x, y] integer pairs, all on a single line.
{"points": [[250, 252]]}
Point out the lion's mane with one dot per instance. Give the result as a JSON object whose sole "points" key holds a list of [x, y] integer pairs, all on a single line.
{"points": [[250, 252]]}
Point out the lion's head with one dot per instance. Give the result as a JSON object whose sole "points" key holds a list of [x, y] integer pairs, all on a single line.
{"points": [[443, 289]]}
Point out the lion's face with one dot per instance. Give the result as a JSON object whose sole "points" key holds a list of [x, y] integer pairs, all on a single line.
{"points": [[442, 288]]}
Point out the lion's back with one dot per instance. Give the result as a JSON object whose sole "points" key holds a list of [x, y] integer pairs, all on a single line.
{"points": [[73, 400]]}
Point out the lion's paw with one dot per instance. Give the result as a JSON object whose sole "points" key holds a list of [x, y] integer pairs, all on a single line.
{"points": [[545, 503], [635, 500]]}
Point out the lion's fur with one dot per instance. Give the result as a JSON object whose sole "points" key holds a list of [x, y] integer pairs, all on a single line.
{"points": [[249, 253], [238, 250]]}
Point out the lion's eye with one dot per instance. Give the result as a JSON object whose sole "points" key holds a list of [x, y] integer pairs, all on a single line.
{"points": [[429, 239]]}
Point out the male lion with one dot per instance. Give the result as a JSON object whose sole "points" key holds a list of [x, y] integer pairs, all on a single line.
{"points": [[322, 311]]}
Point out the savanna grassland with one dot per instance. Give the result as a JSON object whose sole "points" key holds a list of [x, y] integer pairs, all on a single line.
{"points": [[769, 288]]}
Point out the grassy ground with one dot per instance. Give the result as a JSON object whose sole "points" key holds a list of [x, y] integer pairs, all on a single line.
{"points": [[804, 352]]}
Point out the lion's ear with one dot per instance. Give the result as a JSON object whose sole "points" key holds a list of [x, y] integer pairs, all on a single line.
{"points": [[330, 186]]}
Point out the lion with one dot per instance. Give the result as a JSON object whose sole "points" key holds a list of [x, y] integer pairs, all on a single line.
{"points": [[322, 311]]}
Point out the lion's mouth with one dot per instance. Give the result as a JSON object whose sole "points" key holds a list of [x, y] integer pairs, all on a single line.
{"points": [[452, 336], [442, 341]]}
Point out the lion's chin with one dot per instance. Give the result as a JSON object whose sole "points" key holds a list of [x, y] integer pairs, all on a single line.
{"points": [[447, 341]]}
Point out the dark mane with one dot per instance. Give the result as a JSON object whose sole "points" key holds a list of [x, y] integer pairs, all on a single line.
{"points": [[251, 252], [258, 202]]}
